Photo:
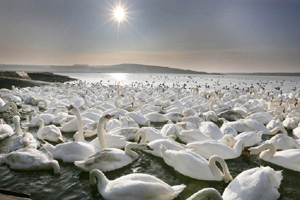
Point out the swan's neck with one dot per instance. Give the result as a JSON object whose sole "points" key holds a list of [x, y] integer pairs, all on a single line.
{"points": [[117, 104], [102, 180], [142, 135], [277, 129], [267, 151], [80, 124], [100, 133], [56, 167], [18, 126], [239, 146], [41, 123], [132, 154], [211, 118], [207, 192], [216, 171]]}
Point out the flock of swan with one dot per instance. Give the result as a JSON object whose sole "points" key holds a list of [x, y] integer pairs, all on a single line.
{"points": [[188, 129]]}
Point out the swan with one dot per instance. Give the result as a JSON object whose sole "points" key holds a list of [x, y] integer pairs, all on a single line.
{"points": [[250, 138], [230, 115], [274, 123], [155, 144], [134, 187], [211, 129], [109, 159], [5, 130], [245, 125], [283, 142], [209, 148], [107, 139], [188, 136], [73, 150], [151, 133], [156, 117], [30, 159], [50, 133], [296, 132], [262, 117], [289, 159], [174, 116], [128, 122], [195, 166], [170, 129], [138, 118], [252, 184], [47, 118], [4, 107], [23, 140], [291, 121]]}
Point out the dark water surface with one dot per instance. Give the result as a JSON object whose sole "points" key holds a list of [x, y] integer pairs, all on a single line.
{"points": [[74, 184]]}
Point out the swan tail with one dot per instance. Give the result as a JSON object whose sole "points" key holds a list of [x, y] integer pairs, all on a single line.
{"points": [[274, 176], [178, 189]]}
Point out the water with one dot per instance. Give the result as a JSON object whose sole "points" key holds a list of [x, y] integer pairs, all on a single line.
{"points": [[204, 82], [74, 184]]}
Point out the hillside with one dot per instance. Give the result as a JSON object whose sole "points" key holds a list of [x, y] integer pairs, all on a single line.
{"points": [[121, 68]]}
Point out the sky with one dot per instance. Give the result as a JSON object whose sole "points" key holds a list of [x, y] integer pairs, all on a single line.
{"points": [[201, 35]]}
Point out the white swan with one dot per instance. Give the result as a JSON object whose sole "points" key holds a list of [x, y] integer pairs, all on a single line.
{"points": [[170, 130], [50, 133], [283, 142], [107, 140], [245, 125], [250, 138], [48, 118], [109, 159], [155, 144], [289, 159], [134, 187], [30, 159], [23, 140], [296, 132], [71, 151], [195, 166], [188, 136], [138, 118], [5, 130], [211, 129], [156, 117], [151, 133], [252, 184], [4, 107], [209, 148]]}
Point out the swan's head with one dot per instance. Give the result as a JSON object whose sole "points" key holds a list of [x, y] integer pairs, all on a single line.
{"points": [[108, 116], [70, 107]]}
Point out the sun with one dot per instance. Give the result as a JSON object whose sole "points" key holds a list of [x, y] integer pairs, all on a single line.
{"points": [[119, 14]]}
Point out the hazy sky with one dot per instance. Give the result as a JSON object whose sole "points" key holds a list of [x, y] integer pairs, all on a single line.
{"points": [[203, 35]]}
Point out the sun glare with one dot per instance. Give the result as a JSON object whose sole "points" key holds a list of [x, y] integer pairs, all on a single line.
{"points": [[119, 14]]}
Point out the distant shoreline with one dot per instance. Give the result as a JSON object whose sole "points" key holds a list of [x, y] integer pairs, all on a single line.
{"points": [[127, 68]]}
